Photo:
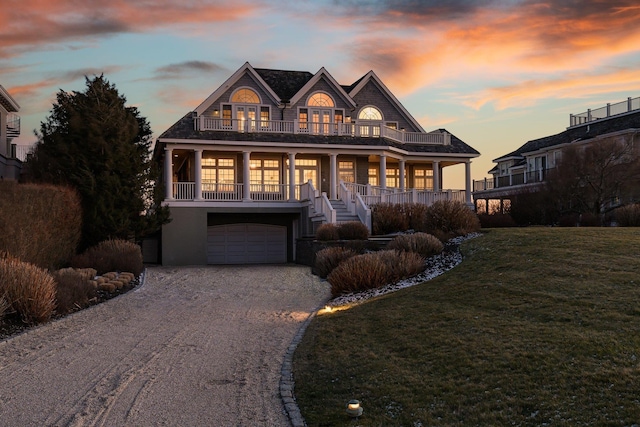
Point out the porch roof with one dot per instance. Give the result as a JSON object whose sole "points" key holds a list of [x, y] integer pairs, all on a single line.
{"points": [[184, 129]]}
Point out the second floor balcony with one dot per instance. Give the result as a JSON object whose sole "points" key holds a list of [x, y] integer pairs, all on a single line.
{"points": [[374, 130], [514, 181], [13, 125]]}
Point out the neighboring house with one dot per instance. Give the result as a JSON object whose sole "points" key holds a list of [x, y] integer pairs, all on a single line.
{"points": [[271, 154], [526, 169], [10, 166]]}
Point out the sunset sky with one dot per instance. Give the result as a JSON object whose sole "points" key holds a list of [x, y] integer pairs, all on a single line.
{"points": [[494, 73]]}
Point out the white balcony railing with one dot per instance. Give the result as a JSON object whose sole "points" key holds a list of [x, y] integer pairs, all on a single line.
{"points": [[13, 125], [631, 104], [205, 123]]}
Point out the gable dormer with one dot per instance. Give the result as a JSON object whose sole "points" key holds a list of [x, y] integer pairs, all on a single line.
{"points": [[241, 101], [376, 102]]}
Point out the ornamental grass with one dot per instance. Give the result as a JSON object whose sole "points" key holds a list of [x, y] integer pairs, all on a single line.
{"points": [[111, 255], [28, 290]]}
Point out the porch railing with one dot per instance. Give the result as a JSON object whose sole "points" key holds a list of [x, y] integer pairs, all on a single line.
{"points": [[371, 195], [206, 123], [221, 192]]}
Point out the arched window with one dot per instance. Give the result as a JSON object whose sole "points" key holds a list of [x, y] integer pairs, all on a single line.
{"points": [[370, 113], [320, 99], [245, 96]]}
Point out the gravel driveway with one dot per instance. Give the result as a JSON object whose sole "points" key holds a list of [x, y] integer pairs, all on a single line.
{"points": [[194, 346]]}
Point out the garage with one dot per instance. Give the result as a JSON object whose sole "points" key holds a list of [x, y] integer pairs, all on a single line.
{"points": [[246, 244]]}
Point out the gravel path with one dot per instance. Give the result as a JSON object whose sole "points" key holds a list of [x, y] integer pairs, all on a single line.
{"points": [[192, 346]]}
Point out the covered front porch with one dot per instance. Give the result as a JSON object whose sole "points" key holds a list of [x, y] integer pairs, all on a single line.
{"points": [[199, 174]]}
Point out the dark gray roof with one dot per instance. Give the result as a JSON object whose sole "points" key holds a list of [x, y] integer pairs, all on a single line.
{"points": [[580, 133], [184, 129], [284, 83]]}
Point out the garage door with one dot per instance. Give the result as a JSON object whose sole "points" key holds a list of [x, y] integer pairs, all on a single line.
{"points": [[246, 244]]}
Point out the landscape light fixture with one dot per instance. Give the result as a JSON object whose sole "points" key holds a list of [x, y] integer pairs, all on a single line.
{"points": [[354, 409]]}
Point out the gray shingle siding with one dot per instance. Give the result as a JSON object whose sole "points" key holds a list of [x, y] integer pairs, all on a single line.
{"points": [[245, 81], [291, 112], [372, 94]]}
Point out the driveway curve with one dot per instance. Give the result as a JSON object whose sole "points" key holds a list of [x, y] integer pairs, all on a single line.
{"points": [[192, 346]]}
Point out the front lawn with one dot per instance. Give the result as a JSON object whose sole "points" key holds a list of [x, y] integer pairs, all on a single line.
{"points": [[537, 326]]}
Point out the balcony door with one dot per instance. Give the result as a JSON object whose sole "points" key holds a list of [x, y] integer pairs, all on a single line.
{"points": [[246, 116], [321, 120]]}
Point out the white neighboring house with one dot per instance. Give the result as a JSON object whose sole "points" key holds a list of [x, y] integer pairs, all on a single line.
{"points": [[271, 154], [526, 169], [10, 164]]}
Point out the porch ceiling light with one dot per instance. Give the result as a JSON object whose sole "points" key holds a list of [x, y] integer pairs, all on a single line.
{"points": [[354, 409]]}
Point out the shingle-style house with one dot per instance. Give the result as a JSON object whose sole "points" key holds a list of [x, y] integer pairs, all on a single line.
{"points": [[527, 168], [271, 154], [9, 129]]}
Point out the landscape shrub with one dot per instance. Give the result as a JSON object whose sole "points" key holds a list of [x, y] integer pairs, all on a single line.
{"points": [[388, 218], [111, 255], [569, 220], [40, 223], [73, 290], [29, 290], [423, 244], [374, 270], [327, 232], [590, 220], [449, 218], [417, 216], [329, 258], [628, 216], [4, 305], [496, 220], [353, 230]]}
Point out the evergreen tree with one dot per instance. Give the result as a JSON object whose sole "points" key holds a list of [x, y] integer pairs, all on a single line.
{"points": [[94, 143]]}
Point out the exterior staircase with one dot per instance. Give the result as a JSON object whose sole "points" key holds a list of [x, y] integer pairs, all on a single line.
{"points": [[342, 213]]}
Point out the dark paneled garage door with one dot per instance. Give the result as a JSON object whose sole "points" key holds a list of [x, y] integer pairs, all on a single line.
{"points": [[246, 244]]}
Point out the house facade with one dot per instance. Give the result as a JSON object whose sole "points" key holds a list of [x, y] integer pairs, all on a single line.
{"points": [[527, 168], [10, 166], [271, 154]]}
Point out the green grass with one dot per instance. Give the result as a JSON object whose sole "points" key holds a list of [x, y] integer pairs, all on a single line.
{"points": [[537, 326]]}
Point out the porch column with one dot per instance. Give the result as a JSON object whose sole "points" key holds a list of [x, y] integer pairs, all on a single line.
{"points": [[333, 179], [383, 171], [198, 174], [168, 173], [292, 176], [467, 175], [246, 176], [402, 183], [436, 176]]}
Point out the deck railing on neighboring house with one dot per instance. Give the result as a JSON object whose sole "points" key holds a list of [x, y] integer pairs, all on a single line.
{"points": [[516, 179], [631, 104], [205, 123]]}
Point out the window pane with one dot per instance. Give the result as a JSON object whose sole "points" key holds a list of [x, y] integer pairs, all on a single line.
{"points": [[245, 96], [370, 113], [320, 100]]}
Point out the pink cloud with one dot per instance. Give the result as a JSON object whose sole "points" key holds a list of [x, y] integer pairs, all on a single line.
{"points": [[496, 40], [34, 23], [573, 85]]}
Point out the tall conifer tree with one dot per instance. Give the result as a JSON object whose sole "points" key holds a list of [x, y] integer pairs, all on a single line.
{"points": [[93, 142]]}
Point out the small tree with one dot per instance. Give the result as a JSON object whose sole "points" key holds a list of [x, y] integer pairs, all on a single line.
{"points": [[589, 179], [93, 142]]}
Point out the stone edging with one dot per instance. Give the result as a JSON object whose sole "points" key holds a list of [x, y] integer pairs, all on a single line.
{"points": [[286, 376]]}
